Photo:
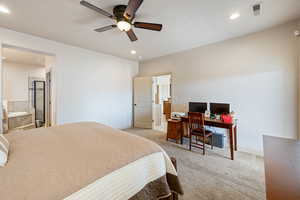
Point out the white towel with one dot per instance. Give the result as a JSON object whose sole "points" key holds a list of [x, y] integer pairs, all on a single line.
{"points": [[4, 149]]}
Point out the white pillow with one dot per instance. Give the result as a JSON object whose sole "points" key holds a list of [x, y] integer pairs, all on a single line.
{"points": [[4, 149], [3, 157]]}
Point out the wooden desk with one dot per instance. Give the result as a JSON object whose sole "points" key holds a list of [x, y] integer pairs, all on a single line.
{"points": [[232, 128], [282, 168]]}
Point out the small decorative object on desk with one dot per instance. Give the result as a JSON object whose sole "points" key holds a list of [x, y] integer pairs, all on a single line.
{"points": [[226, 118], [207, 114]]}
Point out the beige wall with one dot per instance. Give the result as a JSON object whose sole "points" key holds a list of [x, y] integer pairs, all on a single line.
{"points": [[256, 74]]}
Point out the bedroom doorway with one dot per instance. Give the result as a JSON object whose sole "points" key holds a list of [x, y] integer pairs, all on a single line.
{"points": [[26, 89], [150, 93]]}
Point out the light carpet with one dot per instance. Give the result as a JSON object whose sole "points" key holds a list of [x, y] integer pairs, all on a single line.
{"points": [[213, 176]]}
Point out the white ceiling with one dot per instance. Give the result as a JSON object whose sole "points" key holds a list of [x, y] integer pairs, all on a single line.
{"points": [[187, 23], [23, 57]]}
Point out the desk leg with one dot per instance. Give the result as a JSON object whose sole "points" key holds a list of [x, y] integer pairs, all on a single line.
{"points": [[185, 128], [231, 143], [235, 138]]}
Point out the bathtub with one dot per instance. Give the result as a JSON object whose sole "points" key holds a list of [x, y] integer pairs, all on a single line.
{"points": [[17, 114], [19, 119]]}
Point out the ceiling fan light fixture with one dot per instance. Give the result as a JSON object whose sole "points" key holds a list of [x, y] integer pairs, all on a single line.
{"points": [[124, 18], [4, 9], [124, 26]]}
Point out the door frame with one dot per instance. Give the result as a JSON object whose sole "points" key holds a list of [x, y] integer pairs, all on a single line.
{"points": [[48, 104]]}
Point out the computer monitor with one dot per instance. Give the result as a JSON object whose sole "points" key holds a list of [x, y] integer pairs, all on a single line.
{"points": [[219, 108], [197, 107]]}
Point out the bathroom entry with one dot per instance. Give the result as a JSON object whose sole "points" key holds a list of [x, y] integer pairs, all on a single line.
{"points": [[26, 95]]}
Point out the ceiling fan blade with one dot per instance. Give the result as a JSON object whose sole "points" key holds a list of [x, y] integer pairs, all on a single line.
{"points": [[99, 10], [106, 28], [148, 26], [133, 6], [132, 35]]}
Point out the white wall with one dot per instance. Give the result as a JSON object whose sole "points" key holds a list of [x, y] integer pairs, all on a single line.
{"points": [[89, 86], [257, 74], [15, 80]]}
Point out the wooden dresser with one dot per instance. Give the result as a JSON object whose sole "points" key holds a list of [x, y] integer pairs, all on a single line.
{"points": [[282, 168], [175, 130]]}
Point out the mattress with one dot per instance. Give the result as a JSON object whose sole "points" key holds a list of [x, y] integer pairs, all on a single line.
{"points": [[85, 161]]}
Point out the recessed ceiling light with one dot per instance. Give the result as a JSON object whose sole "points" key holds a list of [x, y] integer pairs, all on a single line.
{"points": [[5, 10], [234, 16], [133, 52]]}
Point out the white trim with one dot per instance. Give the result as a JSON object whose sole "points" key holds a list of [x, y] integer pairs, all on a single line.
{"points": [[251, 151]]}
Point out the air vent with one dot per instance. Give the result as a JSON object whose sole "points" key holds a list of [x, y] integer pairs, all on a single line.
{"points": [[256, 8]]}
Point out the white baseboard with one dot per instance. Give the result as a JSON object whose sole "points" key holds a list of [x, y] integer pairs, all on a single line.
{"points": [[251, 151]]}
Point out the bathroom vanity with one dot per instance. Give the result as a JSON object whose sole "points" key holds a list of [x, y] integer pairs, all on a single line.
{"points": [[19, 119]]}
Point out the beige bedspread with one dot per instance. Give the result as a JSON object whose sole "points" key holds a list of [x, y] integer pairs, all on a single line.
{"points": [[53, 163]]}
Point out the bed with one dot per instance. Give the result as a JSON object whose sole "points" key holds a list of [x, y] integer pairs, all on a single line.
{"points": [[86, 161]]}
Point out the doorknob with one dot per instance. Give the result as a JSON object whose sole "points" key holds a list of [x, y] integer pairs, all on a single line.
{"points": [[134, 104]]}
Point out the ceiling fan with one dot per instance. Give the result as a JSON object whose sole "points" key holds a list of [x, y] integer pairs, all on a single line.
{"points": [[124, 16]]}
